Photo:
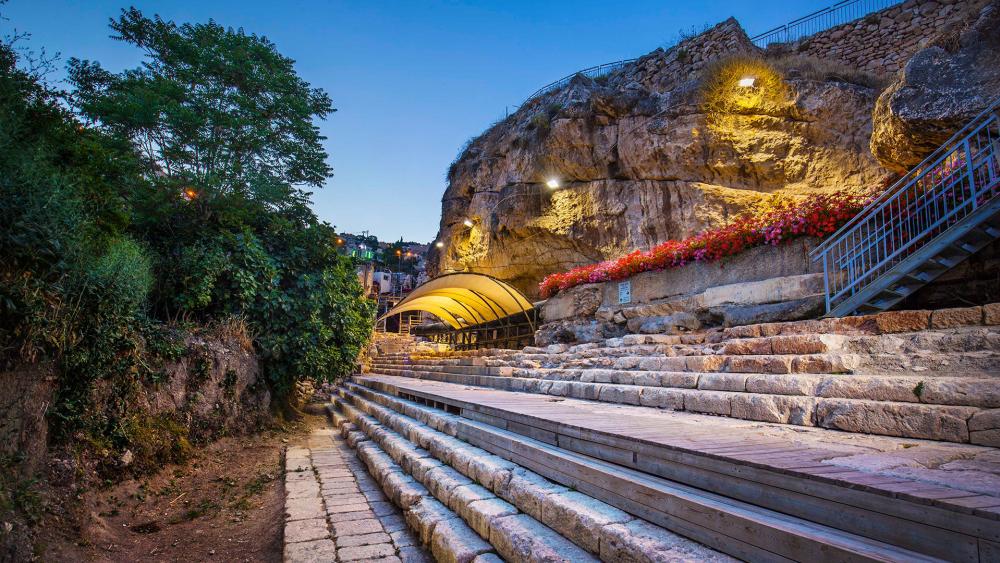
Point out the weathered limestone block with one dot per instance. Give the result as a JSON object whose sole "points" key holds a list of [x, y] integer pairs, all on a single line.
{"points": [[991, 314], [425, 515], [759, 364], [491, 471], [778, 384], [526, 490], [961, 316], [580, 518], [895, 419], [962, 391], [901, 321], [480, 514], [785, 409], [519, 539], [723, 382], [711, 402], [663, 398], [642, 542], [872, 388], [454, 542], [624, 394]]}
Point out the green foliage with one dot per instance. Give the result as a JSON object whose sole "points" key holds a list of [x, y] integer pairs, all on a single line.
{"points": [[210, 107], [102, 252]]}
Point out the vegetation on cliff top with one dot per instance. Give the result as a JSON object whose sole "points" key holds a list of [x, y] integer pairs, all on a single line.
{"points": [[172, 194]]}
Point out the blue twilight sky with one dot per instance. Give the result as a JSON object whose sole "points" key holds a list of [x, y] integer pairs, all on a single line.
{"points": [[411, 80]]}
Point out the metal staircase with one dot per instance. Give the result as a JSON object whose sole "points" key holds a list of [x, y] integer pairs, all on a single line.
{"points": [[937, 215]]}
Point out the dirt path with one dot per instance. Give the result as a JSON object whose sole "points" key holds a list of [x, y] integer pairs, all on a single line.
{"points": [[225, 504]]}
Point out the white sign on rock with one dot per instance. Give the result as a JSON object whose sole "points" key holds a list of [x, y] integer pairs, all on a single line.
{"points": [[624, 292]]}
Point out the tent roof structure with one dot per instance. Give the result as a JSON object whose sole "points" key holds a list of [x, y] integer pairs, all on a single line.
{"points": [[464, 299]]}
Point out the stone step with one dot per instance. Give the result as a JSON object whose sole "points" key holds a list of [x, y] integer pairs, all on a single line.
{"points": [[439, 529], [491, 489], [983, 392], [952, 423], [457, 518], [809, 519]]}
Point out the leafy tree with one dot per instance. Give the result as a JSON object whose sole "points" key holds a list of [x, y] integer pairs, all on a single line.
{"points": [[225, 128], [211, 108]]}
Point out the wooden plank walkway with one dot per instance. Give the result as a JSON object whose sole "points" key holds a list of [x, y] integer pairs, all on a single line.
{"points": [[810, 473]]}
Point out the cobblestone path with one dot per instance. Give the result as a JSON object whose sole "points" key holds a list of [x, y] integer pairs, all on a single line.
{"points": [[334, 511]]}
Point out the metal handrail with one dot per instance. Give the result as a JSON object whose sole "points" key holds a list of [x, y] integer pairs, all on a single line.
{"points": [[928, 164], [832, 16], [837, 14], [949, 185], [592, 72]]}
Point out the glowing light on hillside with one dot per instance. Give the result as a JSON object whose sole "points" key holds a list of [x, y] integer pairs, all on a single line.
{"points": [[467, 223], [439, 244], [552, 183], [747, 82], [190, 193]]}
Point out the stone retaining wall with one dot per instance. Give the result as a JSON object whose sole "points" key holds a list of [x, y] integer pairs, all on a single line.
{"points": [[881, 43]]}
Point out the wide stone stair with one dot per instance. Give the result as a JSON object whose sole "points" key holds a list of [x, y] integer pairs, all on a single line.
{"points": [[911, 374], [856, 439]]}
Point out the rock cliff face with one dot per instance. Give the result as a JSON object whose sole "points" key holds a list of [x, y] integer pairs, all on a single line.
{"points": [[941, 88], [641, 158]]}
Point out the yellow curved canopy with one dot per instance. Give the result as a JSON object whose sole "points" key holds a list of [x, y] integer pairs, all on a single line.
{"points": [[463, 300]]}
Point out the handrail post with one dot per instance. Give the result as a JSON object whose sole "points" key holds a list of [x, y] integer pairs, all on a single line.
{"points": [[826, 281], [971, 171]]}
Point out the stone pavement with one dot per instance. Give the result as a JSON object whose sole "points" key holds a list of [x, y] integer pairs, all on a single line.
{"points": [[334, 511]]}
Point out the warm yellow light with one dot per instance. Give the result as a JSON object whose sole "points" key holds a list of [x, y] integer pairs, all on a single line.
{"points": [[340, 241], [467, 223], [439, 244], [553, 183], [190, 193], [398, 252], [747, 82]]}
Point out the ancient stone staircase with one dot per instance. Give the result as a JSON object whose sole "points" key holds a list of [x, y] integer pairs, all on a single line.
{"points": [[944, 210], [911, 374], [617, 451]]}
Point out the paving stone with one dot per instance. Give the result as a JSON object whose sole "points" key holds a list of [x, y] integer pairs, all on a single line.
{"points": [[304, 508], [306, 530], [302, 488], [345, 516], [363, 539], [318, 551], [342, 508], [382, 508], [355, 527], [366, 552], [335, 499]]}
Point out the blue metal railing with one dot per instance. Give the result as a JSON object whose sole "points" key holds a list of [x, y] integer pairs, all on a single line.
{"points": [[592, 72], [821, 20], [955, 180]]}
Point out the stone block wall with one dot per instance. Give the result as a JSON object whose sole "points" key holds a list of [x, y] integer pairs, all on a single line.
{"points": [[881, 43]]}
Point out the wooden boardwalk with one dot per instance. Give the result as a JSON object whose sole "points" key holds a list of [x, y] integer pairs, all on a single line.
{"points": [[850, 482]]}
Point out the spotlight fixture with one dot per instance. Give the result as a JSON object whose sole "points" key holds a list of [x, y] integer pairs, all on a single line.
{"points": [[747, 82], [467, 223], [552, 183], [439, 244]]}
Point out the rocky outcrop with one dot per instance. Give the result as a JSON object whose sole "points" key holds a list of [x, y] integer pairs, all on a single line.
{"points": [[942, 87], [641, 160]]}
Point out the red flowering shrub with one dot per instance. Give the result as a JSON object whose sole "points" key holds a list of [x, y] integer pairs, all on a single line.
{"points": [[815, 216]]}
